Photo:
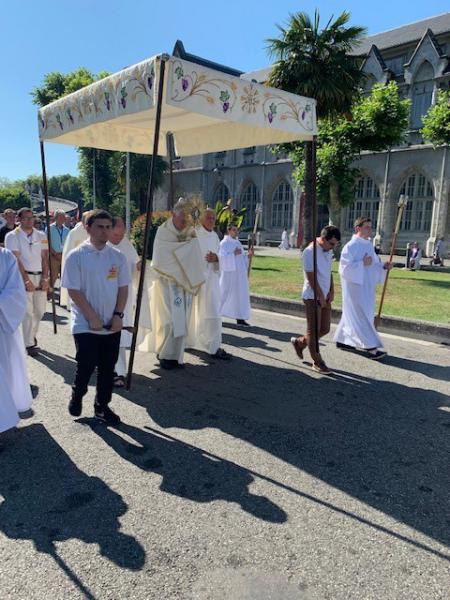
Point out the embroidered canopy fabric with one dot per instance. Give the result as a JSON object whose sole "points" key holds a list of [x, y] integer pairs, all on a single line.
{"points": [[205, 109]]}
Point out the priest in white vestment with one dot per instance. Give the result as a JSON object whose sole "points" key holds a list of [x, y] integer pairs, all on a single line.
{"points": [[205, 329], [234, 289], [119, 241], [361, 270], [177, 266], [15, 392], [76, 236]]}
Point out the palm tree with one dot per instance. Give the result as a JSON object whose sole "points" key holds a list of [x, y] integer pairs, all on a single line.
{"points": [[317, 63]]}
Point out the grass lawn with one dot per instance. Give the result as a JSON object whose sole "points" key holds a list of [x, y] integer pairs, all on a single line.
{"points": [[423, 295]]}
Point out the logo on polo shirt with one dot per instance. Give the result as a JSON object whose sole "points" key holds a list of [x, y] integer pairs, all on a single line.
{"points": [[113, 272]]}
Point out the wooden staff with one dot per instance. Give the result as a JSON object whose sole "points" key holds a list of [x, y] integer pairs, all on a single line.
{"points": [[258, 212], [401, 206], [49, 242]]}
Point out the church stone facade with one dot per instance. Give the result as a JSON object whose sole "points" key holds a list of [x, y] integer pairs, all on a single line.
{"points": [[417, 57]]}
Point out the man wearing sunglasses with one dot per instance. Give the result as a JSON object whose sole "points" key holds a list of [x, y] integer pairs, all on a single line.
{"points": [[329, 239]]}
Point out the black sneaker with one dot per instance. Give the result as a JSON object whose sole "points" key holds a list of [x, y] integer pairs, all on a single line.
{"points": [[242, 323], [33, 351], [221, 354], [342, 346], [165, 363], [376, 354], [75, 406], [107, 415]]}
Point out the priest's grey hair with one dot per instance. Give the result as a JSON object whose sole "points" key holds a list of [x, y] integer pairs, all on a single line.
{"points": [[179, 205]]}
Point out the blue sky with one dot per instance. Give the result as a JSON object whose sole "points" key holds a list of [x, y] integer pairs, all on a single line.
{"points": [[39, 36]]}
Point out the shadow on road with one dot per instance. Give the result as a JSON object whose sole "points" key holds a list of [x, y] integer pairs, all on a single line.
{"points": [[381, 442], [48, 499], [186, 471], [442, 373]]}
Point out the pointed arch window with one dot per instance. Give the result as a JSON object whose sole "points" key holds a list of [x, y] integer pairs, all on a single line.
{"points": [[282, 206], [249, 199], [422, 93], [367, 202], [221, 194], [419, 206]]}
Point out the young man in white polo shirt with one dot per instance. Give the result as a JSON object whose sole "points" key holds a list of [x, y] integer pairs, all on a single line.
{"points": [[328, 240], [97, 278], [31, 250]]}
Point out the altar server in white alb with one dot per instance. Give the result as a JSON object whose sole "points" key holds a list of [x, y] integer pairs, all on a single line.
{"points": [[177, 265], [234, 290], [119, 241], [284, 241], [75, 237], [361, 270], [30, 247], [15, 393], [205, 330]]}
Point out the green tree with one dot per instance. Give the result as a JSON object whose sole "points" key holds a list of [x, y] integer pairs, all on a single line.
{"points": [[436, 123], [14, 197], [106, 183], [139, 176], [317, 63], [375, 123]]}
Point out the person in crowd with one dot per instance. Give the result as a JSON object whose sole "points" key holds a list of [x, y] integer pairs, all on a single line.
{"points": [[328, 241], [119, 241], [76, 236], [97, 278], [58, 236], [234, 288], [9, 225], [31, 250], [205, 330], [15, 394], [415, 257], [178, 271], [284, 241], [360, 270]]}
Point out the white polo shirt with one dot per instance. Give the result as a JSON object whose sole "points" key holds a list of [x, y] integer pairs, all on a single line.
{"points": [[98, 274], [324, 260], [29, 247]]}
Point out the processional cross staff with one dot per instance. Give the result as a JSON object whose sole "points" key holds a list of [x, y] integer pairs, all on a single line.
{"points": [[401, 207], [258, 213]]}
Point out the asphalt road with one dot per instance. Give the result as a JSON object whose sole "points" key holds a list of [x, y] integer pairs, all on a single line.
{"points": [[256, 479]]}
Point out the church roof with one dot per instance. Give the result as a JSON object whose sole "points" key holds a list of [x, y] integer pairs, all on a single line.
{"points": [[413, 32]]}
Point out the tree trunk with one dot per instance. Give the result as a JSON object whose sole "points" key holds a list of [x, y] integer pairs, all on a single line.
{"points": [[334, 205], [308, 233]]}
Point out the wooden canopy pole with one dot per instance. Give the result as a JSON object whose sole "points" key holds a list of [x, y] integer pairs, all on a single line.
{"points": [[148, 210], [401, 206], [47, 220], [258, 211], [170, 144], [314, 228]]}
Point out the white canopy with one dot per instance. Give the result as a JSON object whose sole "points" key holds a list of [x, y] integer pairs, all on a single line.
{"points": [[205, 109]]}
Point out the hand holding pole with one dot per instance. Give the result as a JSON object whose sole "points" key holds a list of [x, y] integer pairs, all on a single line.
{"points": [[401, 206]]}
